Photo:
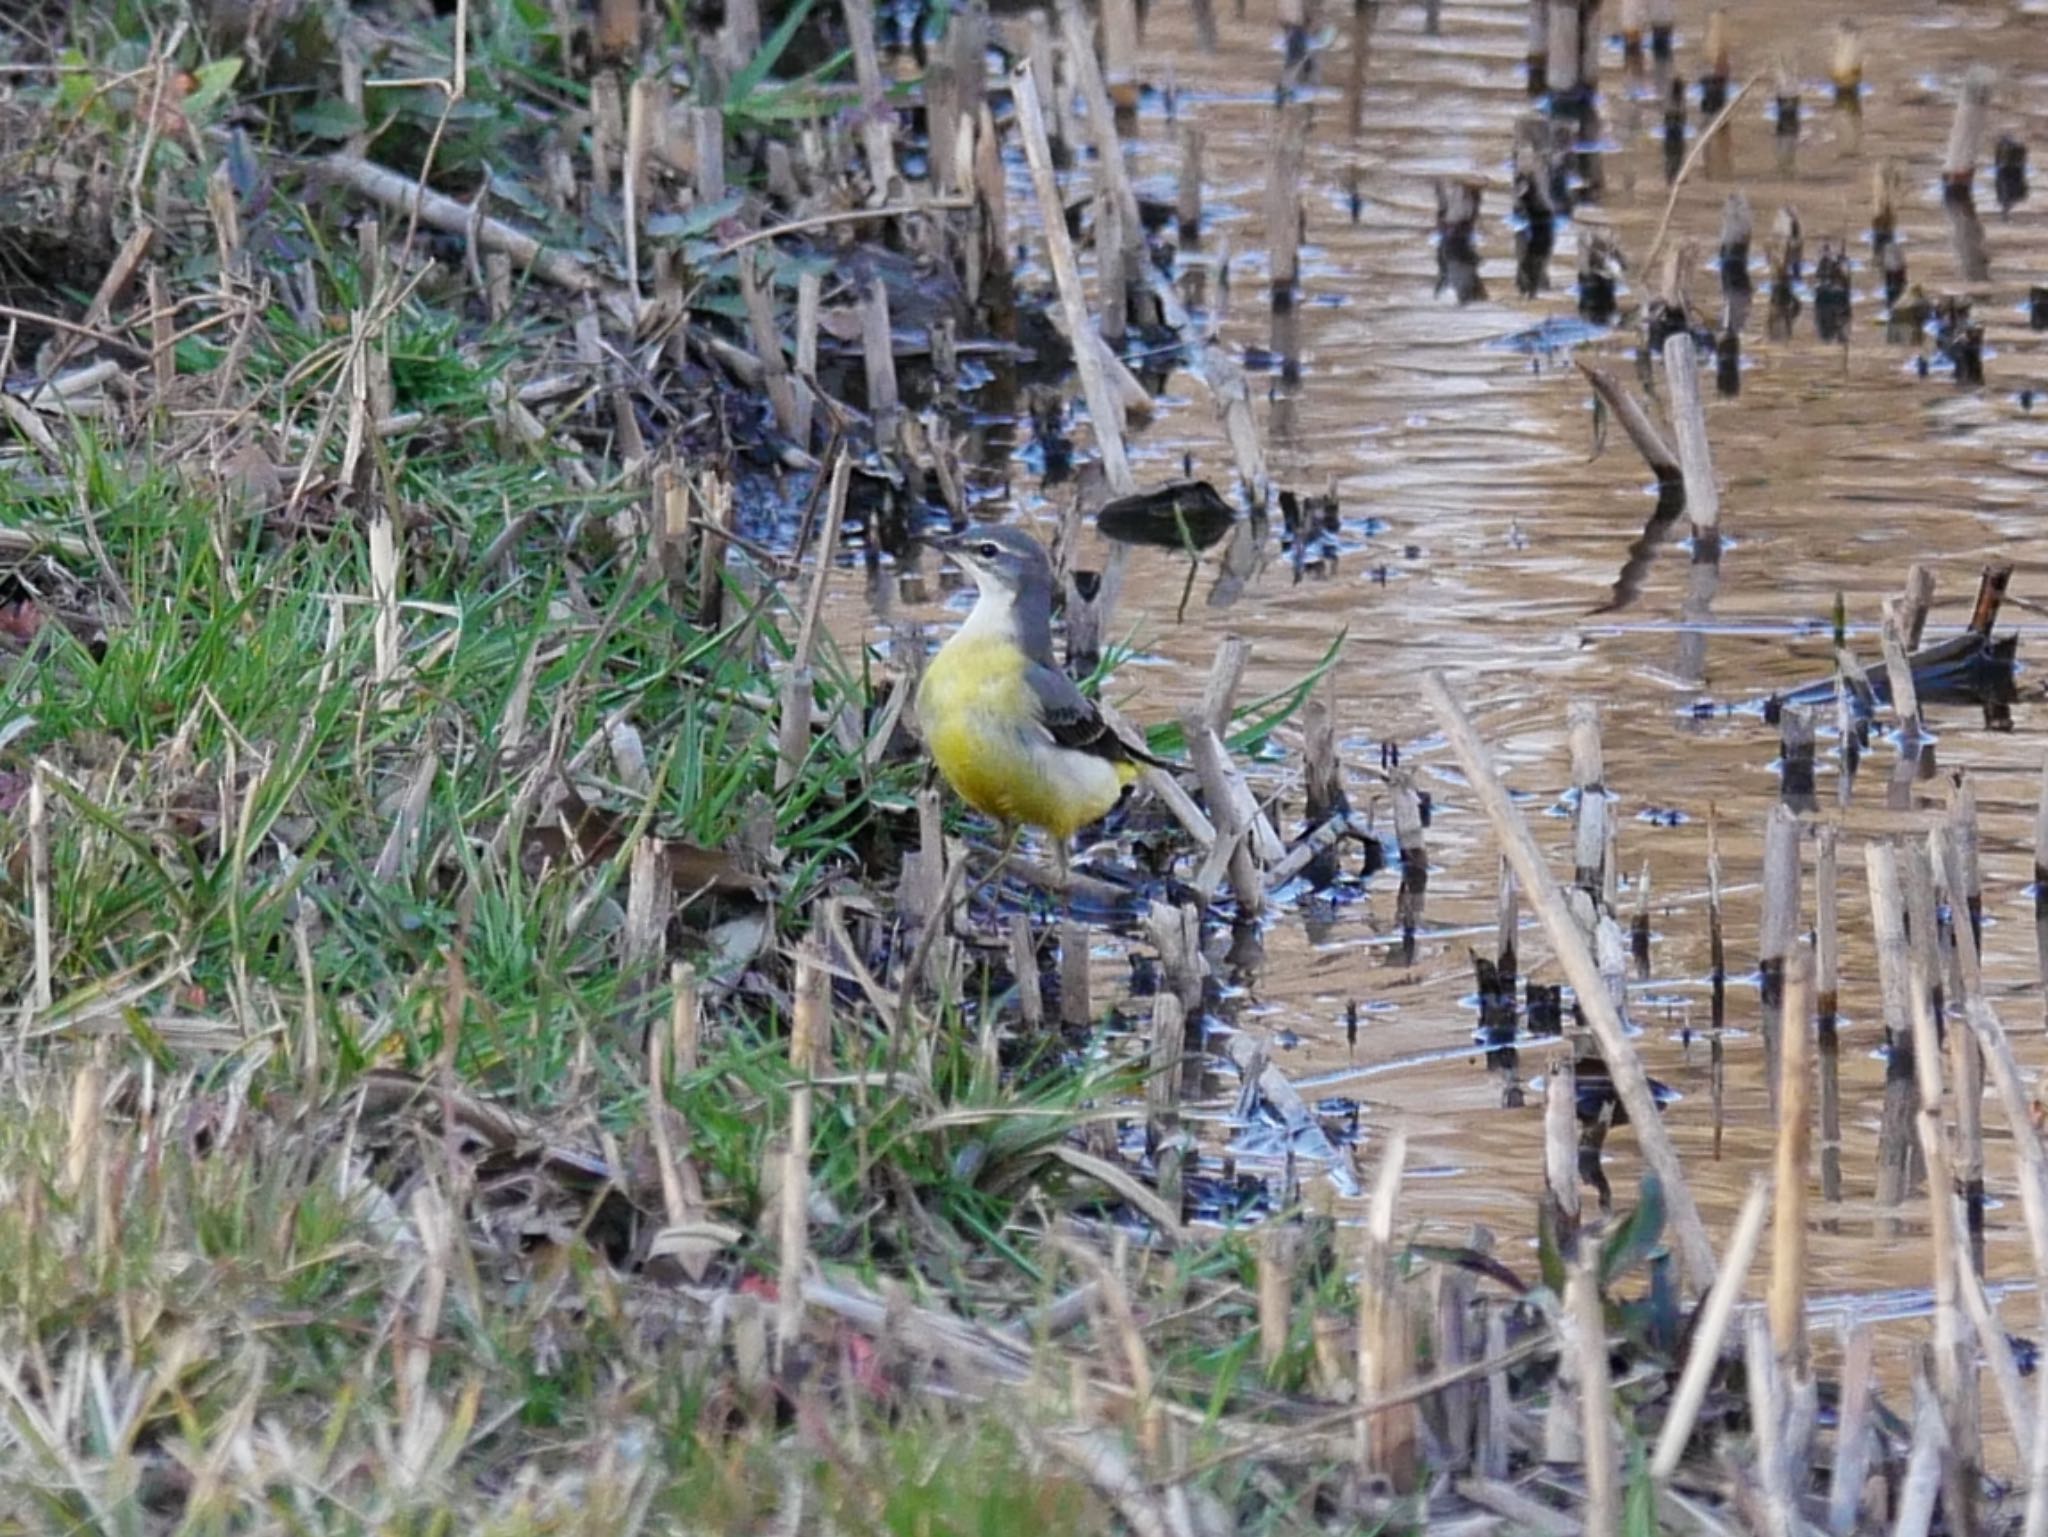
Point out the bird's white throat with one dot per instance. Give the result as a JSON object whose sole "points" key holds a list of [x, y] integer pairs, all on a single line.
{"points": [[994, 616]]}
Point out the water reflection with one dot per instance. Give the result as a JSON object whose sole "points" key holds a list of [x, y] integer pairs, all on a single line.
{"points": [[1457, 251], [1702, 582]]}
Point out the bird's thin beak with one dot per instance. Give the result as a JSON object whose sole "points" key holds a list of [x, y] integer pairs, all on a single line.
{"points": [[952, 547]]}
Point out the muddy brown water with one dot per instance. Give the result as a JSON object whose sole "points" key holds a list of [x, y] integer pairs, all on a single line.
{"points": [[1480, 537]]}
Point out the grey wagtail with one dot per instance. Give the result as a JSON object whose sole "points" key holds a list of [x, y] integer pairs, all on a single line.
{"points": [[1010, 731]]}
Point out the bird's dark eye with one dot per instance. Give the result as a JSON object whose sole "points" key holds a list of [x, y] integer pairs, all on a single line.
{"points": [[989, 550]]}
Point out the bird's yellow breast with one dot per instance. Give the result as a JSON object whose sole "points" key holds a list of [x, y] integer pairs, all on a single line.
{"points": [[981, 723]]}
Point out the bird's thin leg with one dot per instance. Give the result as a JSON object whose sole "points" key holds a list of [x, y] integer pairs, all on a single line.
{"points": [[1063, 872]]}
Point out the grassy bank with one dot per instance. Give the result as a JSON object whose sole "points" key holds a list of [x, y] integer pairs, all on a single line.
{"points": [[407, 867]]}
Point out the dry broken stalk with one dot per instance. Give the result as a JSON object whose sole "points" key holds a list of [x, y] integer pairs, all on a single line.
{"points": [[810, 1031], [1103, 410], [1956, 1379], [402, 194], [1705, 1351], [1387, 1441], [39, 888], [1276, 1292], [1689, 424], [1788, 1219], [1776, 926], [878, 124], [1586, 1328], [1635, 419], [1078, 33]]}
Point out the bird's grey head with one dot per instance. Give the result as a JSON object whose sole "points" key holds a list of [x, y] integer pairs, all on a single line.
{"points": [[1014, 575], [1005, 560]]}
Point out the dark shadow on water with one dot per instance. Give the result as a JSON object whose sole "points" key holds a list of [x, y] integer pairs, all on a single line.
{"points": [[1642, 554]]}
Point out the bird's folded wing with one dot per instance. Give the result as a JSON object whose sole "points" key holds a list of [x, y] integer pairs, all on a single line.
{"points": [[1073, 721]]}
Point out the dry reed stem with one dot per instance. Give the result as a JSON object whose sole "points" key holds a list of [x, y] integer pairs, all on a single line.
{"points": [[1109, 153], [639, 129], [1103, 410], [1966, 131], [402, 194], [1888, 923], [793, 1227], [1705, 1351], [1169, 1045], [761, 327], [1561, 1147], [1225, 377], [827, 551], [810, 290], [685, 1020], [674, 1204], [1966, 1065], [1788, 1223], [1852, 1433], [1024, 967], [1696, 1253], [1776, 927], [1899, 671], [1226, 676], [1635, 420], [1589, 778], [1827, 965], [1955, 1378], [1075, 1008], [1689, 424], [43, 992], [650, 900], [84, 1129], [878, 353], [1692, 159], [1387, 1440], [2031, 1175], [1914, 1512], [1524, 1513], [1767, 1417], [1175, 931], [1496, 1411], [1276, 1293], [1283, 201], [1188, 193], [1917, 599], [878, 123], [1112, 282], [1118, 1180], [1231, 855], [1587, 1330], [1991, 1339]]}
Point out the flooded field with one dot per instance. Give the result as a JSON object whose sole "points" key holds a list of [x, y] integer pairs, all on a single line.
{"points": [[1481, 534]]}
